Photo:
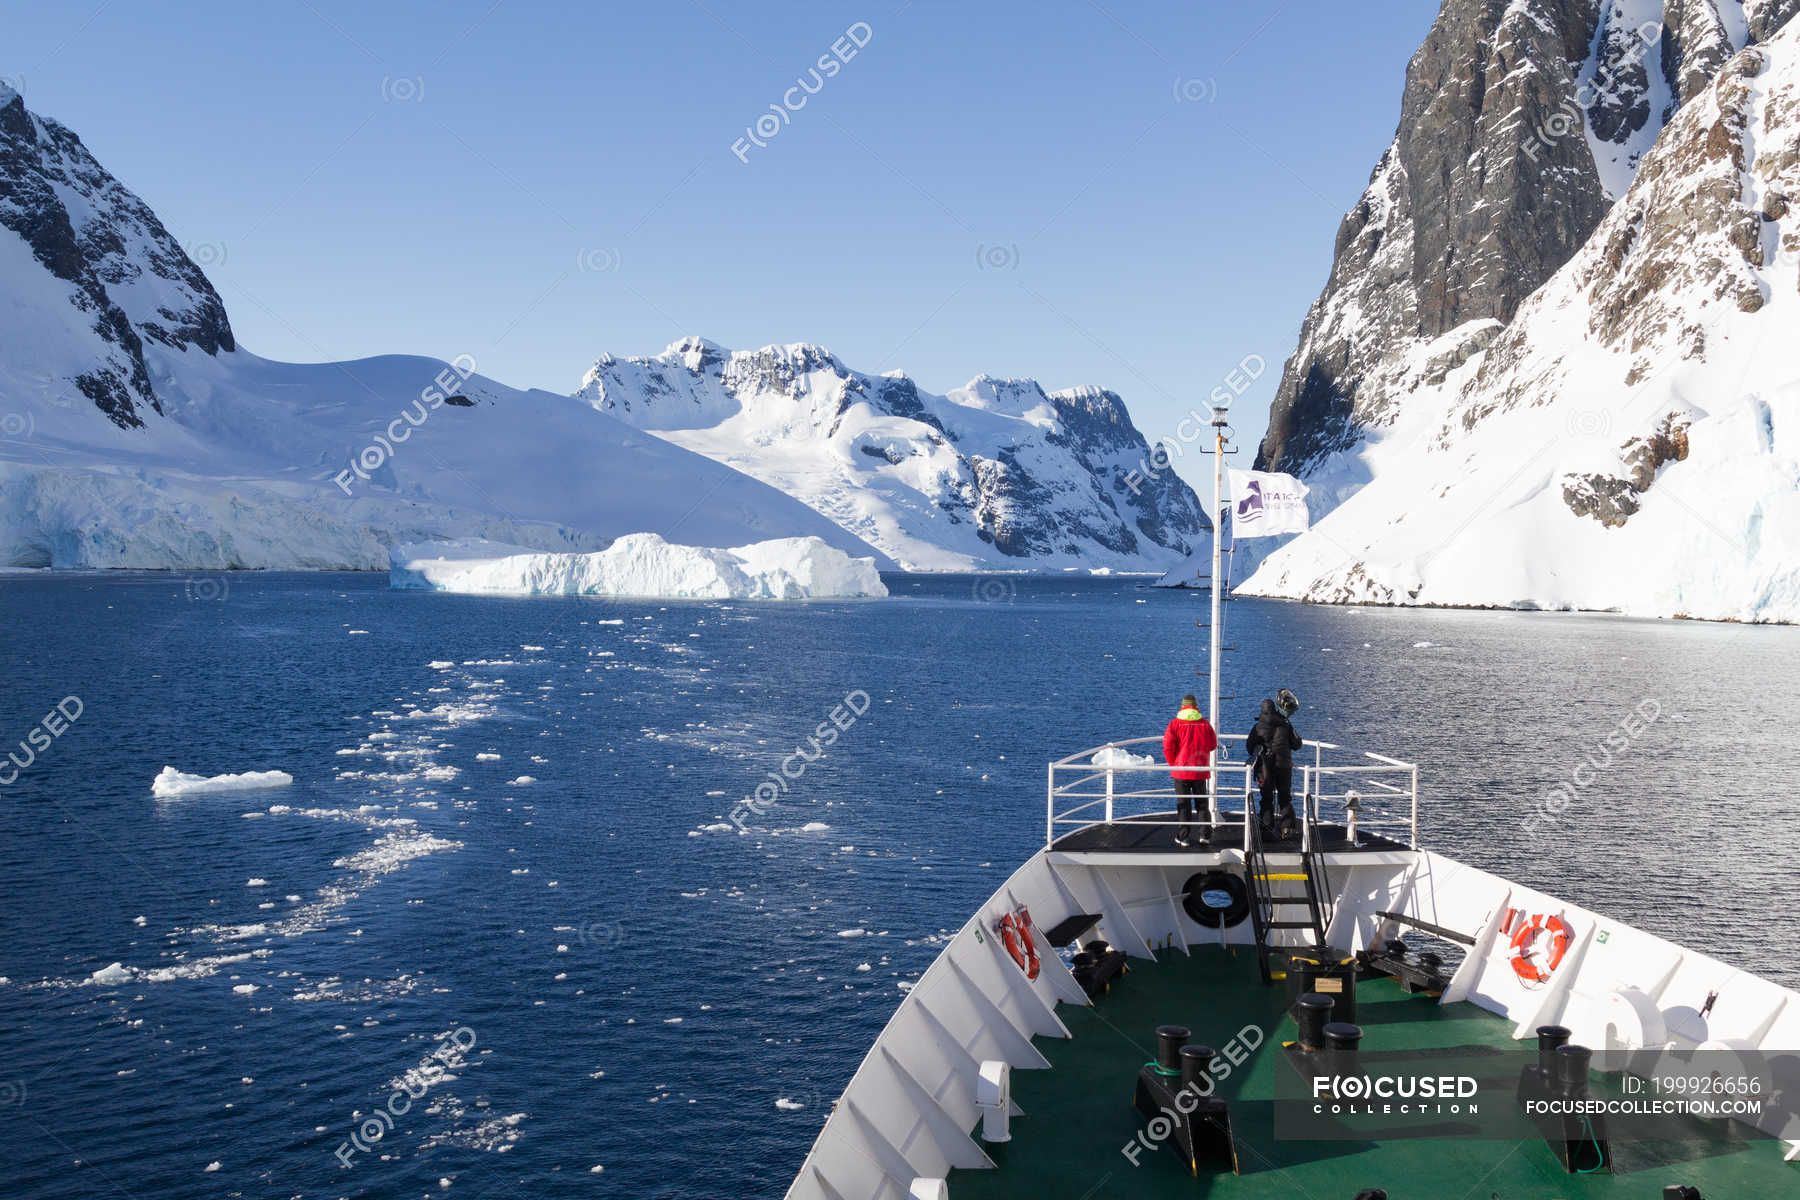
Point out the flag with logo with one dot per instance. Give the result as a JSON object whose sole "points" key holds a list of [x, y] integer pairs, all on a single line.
{"points": [[1264, 503]]}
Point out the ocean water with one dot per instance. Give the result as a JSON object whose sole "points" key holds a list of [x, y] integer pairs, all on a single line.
{"points": [[508, 843]]}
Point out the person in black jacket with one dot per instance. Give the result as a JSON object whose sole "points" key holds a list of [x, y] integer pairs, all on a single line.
{"points": [[1271, 746]]}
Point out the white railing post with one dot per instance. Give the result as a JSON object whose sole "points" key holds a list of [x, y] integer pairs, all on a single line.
{"points": [[1249, 811], [1415, 807], [1306, 813], [1050, 810], [1109, 795], [1212, 787]]}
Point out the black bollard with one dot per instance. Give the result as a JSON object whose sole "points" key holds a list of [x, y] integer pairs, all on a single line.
{"points": [[1311, 1012], [1195, 1059], [1551, 1038], [1572, 1069], [1169, 1041], [1343, 1036]]}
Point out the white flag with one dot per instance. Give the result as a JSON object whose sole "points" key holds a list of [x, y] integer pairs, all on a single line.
{"points": [[1265, 504]]}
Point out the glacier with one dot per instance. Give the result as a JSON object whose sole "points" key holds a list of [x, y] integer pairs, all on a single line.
{"points": [[643, 565]]}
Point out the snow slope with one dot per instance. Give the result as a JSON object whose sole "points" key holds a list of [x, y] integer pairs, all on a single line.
{"points": [[998, 474], [134, 432], [245, 471], [643, 564], [1627, 442]]}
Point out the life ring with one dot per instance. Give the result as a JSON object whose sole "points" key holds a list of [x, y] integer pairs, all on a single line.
{"points": [[1524, 946], [1216, 898], [1015, 935]]}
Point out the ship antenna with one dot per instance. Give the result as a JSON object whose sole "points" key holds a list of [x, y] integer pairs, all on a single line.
{"points": [[1221, 430]]}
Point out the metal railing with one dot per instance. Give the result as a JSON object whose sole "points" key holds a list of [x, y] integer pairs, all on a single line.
{"points": [[1118, 792]]}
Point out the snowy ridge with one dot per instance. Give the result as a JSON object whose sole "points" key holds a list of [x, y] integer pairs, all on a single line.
{"points": [[249, 469], [98, 278], [134, 432], [997, 474], [1623, 444]]}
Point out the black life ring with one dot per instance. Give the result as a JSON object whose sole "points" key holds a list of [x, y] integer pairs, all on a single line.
{"points": [[1216, 898]]}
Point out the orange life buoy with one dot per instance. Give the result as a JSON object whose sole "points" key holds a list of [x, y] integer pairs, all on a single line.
{"points": [[1524, 946], [1015, 935]]}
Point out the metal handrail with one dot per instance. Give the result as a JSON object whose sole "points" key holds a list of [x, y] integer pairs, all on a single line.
{"points": [[1316, 783]]}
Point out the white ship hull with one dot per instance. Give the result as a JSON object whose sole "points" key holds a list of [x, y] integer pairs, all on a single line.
{"points": [[910, 1113]]}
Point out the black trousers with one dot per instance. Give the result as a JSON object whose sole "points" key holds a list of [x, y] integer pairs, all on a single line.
{"points": [[1277, 782], [1190, 794]]}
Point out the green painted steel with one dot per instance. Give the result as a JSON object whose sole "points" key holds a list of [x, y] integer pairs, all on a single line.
{"points": [[1079, 1113]]}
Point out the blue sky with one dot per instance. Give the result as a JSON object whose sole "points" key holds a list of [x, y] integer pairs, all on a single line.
{"points": [[1132, 195]]}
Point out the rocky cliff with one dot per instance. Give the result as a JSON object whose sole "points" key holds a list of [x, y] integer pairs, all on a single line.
{"points": [[1626, 440], [1522, 121], [116, 278]]}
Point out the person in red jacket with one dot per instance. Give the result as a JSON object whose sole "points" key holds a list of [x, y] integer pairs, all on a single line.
{"points": [[1190, 741]]}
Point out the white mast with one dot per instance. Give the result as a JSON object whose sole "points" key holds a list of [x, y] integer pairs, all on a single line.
{"points": [[1218, 524]]}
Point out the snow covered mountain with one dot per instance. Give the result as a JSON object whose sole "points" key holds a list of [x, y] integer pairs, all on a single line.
{"points": [[1621, 438], [1521, 122], [998, 474], [134, 432]]}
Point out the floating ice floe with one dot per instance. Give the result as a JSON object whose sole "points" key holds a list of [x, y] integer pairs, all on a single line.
{"points": [[715, 827], [642, 565], [116, 975], [1112, 756], [170, 783], [786, 1105]]}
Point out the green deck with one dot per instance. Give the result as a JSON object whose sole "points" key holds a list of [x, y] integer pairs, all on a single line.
{"points": [[1079, 1113]]}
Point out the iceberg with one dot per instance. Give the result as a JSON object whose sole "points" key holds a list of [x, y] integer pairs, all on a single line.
{"points": [[170, 783], [115, 975], [1113, 756], [641, 565]]}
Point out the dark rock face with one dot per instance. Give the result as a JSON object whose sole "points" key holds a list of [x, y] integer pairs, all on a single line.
{"points": [[1612, 499], [1618, 98], [1490, 187], [1687, 236], [1476, 204], [1695, 44], [125, 270], [1768, 16]]}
